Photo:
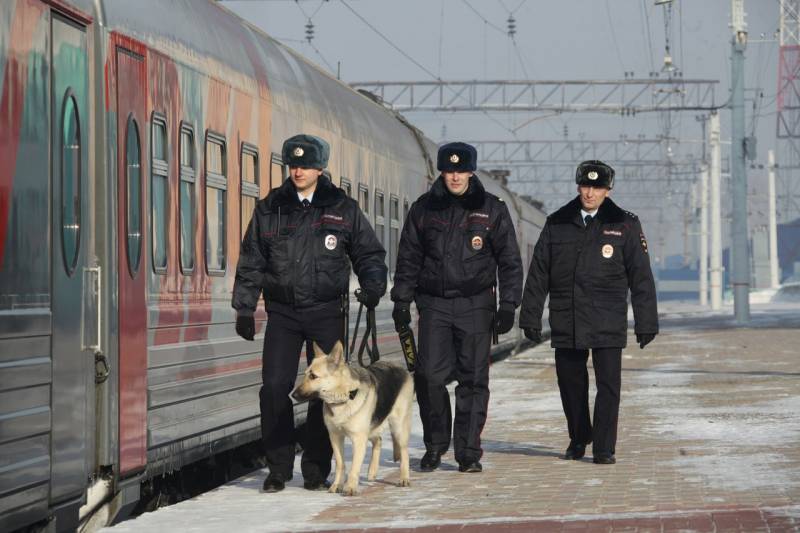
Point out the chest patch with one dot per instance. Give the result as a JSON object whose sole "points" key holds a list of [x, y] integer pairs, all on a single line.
{"points": [[477, 242], [612, 232], [607, 251], [331, 241]]}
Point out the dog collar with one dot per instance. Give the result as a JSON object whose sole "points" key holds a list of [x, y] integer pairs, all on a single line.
{"points": [[353, 394]]}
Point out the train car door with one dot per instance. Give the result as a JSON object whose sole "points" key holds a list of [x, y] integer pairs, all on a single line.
{"points": [[73, 367], [131, 85]]}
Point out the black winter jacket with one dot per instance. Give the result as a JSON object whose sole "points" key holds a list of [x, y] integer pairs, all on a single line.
{"points": [[588, 272], [458, 246], [299, 256]]}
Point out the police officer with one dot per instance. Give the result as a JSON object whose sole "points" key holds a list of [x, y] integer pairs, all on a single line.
{"points": [[296, 251], [457, 241], [589, 254]]}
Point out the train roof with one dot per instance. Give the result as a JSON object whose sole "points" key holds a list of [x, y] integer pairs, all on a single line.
{"points": [[211, 39]]}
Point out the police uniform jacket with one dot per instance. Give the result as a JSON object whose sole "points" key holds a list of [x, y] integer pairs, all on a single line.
{"points": [[588, 272], [458, 247], [301, 256]]}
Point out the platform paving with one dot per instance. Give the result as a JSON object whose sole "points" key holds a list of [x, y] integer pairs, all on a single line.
{"points": [[709, 440]]}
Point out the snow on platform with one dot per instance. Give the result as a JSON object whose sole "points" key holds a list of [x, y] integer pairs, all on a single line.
{"points": [[709, 430]]}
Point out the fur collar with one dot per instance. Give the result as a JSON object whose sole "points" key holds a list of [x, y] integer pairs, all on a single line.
{"points": [[325, 195], [440, 198], [608, 213]]}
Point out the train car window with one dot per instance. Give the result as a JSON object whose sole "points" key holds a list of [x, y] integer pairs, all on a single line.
{"points": [[250, 188], [363, 199], [133, 200], [394, 232], [216, 190], [346, 186], [186, 198], [70, 183], [159, 191], [277, 172], [379, 216]]}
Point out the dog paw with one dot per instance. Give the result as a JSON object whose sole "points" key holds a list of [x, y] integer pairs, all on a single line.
{"points": [[334, 489], [350, 491], [372, 478], [404, 483]]}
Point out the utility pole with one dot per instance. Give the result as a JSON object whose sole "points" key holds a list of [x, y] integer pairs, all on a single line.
{"points": [[773, 223], [704, 236], [716, 216], [740, 278]]}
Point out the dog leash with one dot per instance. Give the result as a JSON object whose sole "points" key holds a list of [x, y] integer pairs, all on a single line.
{"points": [[370, 331]]}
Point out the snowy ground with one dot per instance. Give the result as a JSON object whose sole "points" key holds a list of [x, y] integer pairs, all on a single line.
{"points": [[710, 423]]}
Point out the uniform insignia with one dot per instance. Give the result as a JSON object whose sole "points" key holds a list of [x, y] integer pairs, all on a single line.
{"points": [[454, 158], [477, 242], [330, 242], [298, 152], [608, 251], [644, 242], [592, 175], [612, 232]]}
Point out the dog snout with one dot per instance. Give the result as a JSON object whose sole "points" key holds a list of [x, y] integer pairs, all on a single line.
{"points": [[298, 395]]}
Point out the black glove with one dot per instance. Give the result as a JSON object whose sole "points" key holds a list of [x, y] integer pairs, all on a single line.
{"points": [[644, 339], [534, 335], [401, 315], [504, 319], [368, 297], [246, 327]]}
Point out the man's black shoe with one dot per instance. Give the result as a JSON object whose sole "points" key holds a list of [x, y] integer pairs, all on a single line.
{"points": [[430, 461], [316, 484], [275, 483], [574, 452], [604, 459], [471, 467]]}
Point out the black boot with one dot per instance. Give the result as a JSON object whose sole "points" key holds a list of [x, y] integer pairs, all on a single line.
{"points": [[430, 461], [574, 451], [275, 482], [470, 466]]}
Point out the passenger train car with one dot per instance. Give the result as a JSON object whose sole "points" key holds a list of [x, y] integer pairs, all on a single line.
{"points": [[135, 139]]}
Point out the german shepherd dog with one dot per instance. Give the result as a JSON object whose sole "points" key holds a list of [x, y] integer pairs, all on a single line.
{"points": [[359, 403]]}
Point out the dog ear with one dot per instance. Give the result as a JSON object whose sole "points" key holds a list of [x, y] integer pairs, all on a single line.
{"points": [[337, 354], [318, 352]]}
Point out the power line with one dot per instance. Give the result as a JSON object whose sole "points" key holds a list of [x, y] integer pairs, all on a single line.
{"points": [[614, 37], [417, 63], [649, 35], [484, 19]]}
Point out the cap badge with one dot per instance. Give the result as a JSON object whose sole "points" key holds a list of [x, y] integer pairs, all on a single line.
{"points": [[592, 175], [477, 242], [454, 158], [298, 152], [330, 242], [608, 251]]}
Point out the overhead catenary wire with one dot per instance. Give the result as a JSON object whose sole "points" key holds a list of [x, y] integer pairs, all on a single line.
{"points": [[414, 61], [614, 37]]}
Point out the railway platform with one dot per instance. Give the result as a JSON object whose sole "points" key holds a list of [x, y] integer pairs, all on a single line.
{"points": [[709, 440]]}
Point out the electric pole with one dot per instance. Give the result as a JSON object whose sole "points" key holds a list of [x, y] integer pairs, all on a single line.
{"points": [[715, 211], [773, 224], [740, 252]]}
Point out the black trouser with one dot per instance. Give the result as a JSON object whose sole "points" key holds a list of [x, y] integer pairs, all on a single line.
{"points": [[287, 331], [573, 383], [454, 342]]}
